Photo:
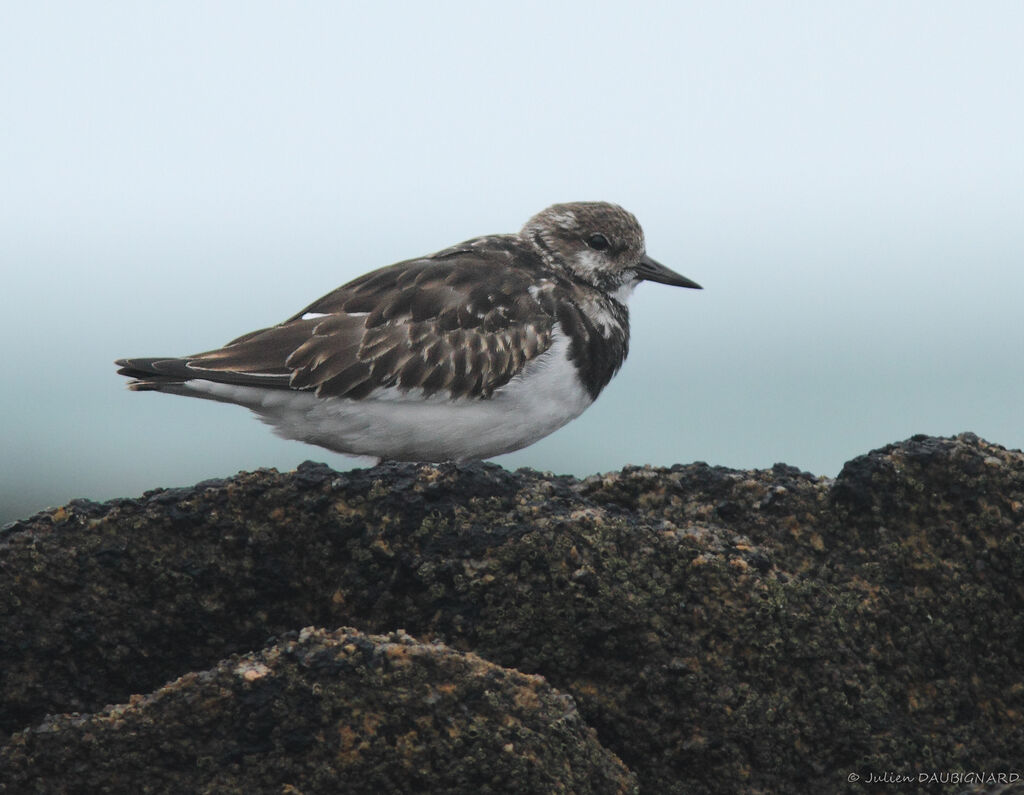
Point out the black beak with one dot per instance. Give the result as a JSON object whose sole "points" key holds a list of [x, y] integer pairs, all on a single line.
{"points": [[650, 270]]}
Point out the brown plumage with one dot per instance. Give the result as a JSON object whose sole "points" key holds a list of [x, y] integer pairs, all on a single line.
{"points": [[461, 321], [460, 324]]}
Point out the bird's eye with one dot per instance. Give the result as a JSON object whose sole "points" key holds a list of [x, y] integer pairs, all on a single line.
{"points": [[598, 242]]}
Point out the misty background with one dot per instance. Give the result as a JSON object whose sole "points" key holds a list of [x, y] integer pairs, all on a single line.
{"points": [[845, 179]]}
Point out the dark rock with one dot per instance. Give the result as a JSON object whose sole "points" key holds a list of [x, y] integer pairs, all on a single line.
{"points": [[326, 712], [721, 630]]}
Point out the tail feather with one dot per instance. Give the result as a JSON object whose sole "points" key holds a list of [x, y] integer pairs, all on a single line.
{"points": [[153, 373], [156, 373]]}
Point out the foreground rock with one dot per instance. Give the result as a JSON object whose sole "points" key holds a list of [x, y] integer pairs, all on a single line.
{"points": [[721, 630], [327, 712]]}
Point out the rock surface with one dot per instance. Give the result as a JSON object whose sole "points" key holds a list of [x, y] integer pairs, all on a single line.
{"points": [[327, 712], [721, 630]]}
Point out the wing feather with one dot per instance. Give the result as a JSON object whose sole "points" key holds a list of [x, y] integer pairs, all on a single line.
{"points": [[463, 323]]}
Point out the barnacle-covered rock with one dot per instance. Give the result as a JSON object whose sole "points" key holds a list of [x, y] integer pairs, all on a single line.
{"points": [[721, 630]]}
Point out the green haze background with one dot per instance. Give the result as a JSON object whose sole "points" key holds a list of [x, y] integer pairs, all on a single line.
{"points": [[845, 179]]}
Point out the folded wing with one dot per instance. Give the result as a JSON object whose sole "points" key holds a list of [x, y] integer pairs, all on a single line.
{"points": [[456, 324]]}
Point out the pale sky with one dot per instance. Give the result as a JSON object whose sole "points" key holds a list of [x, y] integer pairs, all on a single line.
{"points": [[845, 179]]}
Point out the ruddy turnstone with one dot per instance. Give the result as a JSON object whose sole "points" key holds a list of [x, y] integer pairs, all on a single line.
{"points": [[474, 351]]}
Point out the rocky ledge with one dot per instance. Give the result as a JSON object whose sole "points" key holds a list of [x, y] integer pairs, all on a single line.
{"points": [[688, 629]]}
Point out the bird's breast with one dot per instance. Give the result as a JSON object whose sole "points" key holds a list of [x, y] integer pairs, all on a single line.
{"points": [[598, 330]]}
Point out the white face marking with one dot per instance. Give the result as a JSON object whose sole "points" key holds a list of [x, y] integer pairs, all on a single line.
{"points": [[565, 219], [624, 292], [588, 261]]}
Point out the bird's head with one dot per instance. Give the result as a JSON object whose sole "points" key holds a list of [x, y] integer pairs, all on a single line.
{"points": [[600, 244]]}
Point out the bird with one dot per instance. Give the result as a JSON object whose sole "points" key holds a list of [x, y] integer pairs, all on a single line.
{"points": [[477, 350]]}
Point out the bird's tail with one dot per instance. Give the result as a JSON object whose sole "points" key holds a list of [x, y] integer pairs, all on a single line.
{"points": [[153, 373]]}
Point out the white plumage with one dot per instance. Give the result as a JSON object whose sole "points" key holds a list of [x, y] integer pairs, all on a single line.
{"points": [[399, 425]]}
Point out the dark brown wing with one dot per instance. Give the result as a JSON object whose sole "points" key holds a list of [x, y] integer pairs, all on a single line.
{"points": [[462, 322]]}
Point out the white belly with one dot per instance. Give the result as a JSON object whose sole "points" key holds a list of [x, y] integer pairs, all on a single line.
{"points": [[408, 427]]}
